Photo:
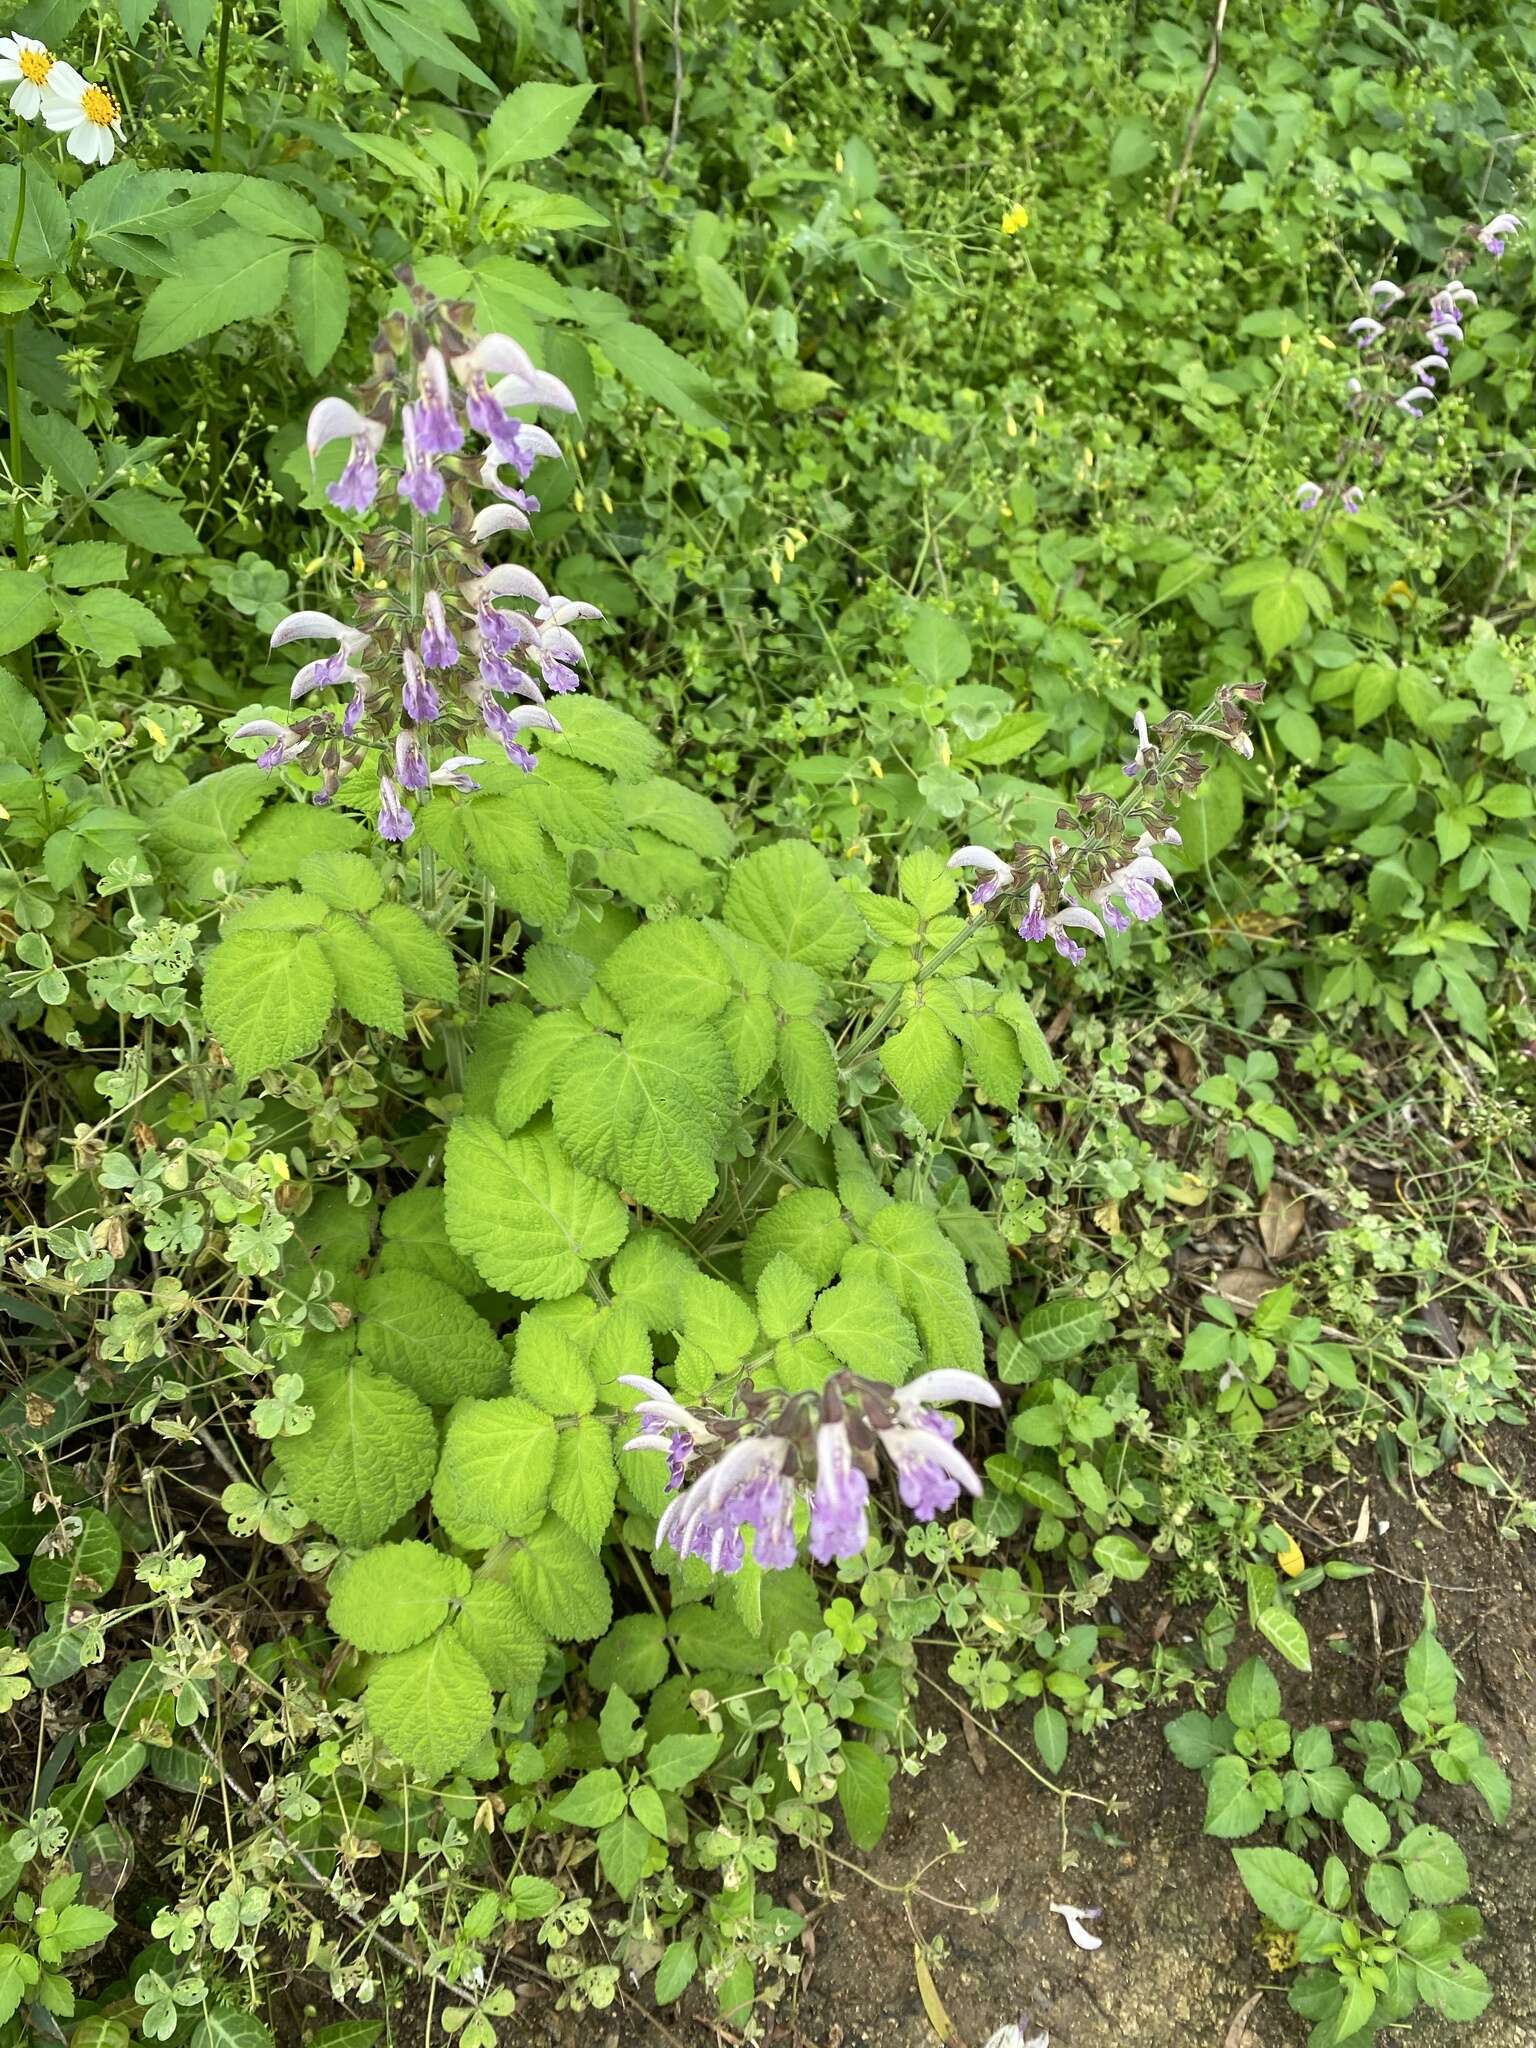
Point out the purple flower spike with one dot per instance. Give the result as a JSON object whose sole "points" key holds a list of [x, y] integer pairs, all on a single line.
{"points": [[395, 821], [1032, 923]]}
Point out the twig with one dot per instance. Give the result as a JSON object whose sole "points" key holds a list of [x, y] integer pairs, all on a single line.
{"points": [[677, 85], [1212, 66], [637, 62]]}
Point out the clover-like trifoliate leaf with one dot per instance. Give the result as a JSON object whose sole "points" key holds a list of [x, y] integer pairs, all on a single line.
{"points": [[497, 1463], [423, 1334], [394, 1596], [646, 1111], [367, 1456], [431, 1704], [530, 1221]]}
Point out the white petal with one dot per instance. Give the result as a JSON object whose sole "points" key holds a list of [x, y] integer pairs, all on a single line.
{"points": [[927, 1443], [932, 1389], [498, 519], [979, 857], [334, 419], [1075, 1917], [528, 716], [537, 388], [313, 626], [1143, 869], [507, 579], [1070, 915], [495, 355], [560, 611]]}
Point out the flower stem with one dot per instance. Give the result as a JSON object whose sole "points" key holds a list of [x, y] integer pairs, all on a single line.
{"points": [[220, 72], [12, 389]]}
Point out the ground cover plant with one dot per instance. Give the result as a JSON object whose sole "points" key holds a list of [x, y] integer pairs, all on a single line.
{"points": [[767, 859]]}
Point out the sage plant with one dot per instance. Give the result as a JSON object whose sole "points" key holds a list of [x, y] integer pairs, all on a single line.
{"points": [[1404, 341], [437, 659]]}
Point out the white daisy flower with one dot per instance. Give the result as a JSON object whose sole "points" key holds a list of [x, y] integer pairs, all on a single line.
{"points": [[28, 63], [86, 114]]}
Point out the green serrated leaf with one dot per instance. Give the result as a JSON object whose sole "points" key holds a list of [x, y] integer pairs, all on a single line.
{"points": [[395, 1596], [530, 1221]]}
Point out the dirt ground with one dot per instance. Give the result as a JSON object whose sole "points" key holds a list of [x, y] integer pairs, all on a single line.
{"points": [[1179, 1967]]}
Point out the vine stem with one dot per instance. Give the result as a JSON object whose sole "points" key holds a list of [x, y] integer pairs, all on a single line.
{"points": [[220, 72], [12, 385]]}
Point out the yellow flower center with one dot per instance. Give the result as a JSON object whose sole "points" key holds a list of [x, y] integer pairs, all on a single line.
{"points": [[35, 66], [98, 105]]}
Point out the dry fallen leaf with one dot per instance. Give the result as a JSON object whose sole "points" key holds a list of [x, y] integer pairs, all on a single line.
{"points": [[1237, 2033], [940, 2021], [1282, 1218], [1243, 1287], [1188, 1190]]}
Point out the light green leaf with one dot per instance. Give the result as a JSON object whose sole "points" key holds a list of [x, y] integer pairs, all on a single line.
{"points": [[864, 1792], [367, 986], [1366, 1825], [1282, 1628], [430, 1705], [647, 1111], [785, 1292], [497, 1464], [533, 122], [586, 1481], [529, 1220], [865, 1326], [109, 624], [910, 1253], [1232, 1807], [367, 1456], [624, 1852], [422, 958], [232, 276], [785, 897], [501, 1635], [1282, 1886], [266, 997], [1253, 1694], [395, 1596], [677, 1760], [149, 522], [424, 1334], [560, 1582], [808, 1069], [667, 970], [924, 1063], [25, 609], [1433, 1864]]}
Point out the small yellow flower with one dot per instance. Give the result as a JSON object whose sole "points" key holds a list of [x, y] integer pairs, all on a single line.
{"points": [[1015, 218], [1285, 344], [1326, 341]]}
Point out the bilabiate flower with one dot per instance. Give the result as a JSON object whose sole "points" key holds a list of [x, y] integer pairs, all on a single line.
{"points": [[1352, 499], [508, 726], [1413, 401], [28, 63], [334, 419], [1132, 885], [395, 821], [410, 762], [86, 115], [1309, 496], [450, 774], [497, 519], [436, 424], [998, 875], [439, 649], [1497, 231], [1365, 330], [420, 485], [1384, 293], [285, 745]]}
